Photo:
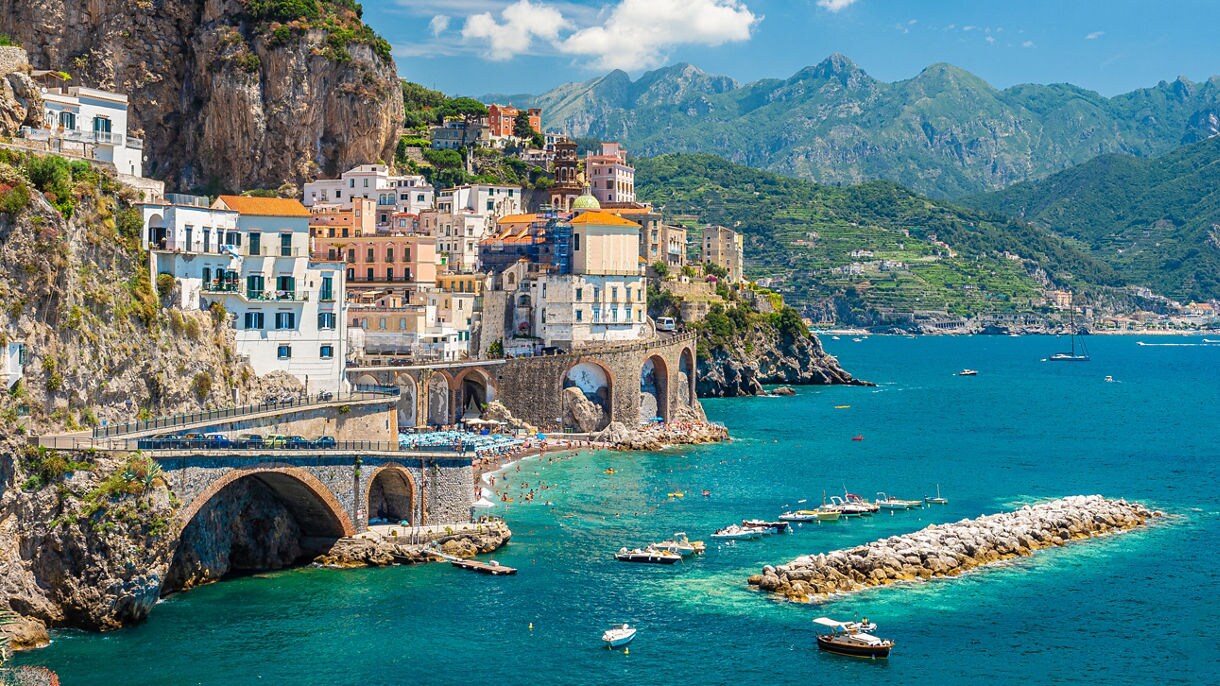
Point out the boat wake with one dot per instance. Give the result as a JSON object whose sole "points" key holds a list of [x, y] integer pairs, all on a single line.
{"points": [[1205, 344]]}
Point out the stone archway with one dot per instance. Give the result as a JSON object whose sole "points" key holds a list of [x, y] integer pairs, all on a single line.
{"points": [[408, 409], [654, 389], [366, 380], [439, 412], [269, 517], [391, 495], [588, 395], [475, 388], [686, 377]]}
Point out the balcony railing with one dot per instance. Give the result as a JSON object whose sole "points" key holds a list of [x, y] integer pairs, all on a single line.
{"points": [[260, 296], [135, 143], [80, 136], [271, 251]]}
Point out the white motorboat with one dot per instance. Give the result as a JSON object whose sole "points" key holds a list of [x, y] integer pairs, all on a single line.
{"points": [[847, 509], [681, 545], [889, 502], [648, 555], [845, 640], [799, 516], [619, 636], [734, 532]]}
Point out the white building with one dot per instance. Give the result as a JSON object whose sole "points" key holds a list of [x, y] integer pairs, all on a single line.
{"points": [[251, 255], [393, 193], [481, 198], [464, 215], [90, 123], [14, 363]]}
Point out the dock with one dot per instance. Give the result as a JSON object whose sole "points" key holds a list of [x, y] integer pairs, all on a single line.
{"points": [[493, 568]]}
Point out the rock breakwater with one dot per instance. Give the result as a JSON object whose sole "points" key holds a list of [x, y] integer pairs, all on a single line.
{"points": [[377, 549], [942, 550]]}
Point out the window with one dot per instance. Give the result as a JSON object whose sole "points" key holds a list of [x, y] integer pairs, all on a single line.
{"points": [[285, 320], [579, 292], [326, 320], [369, 274], [67, 120], [369, 255], [285, 284], [284, 352], [254, 286], [189, 232], [491, 205], [327, 292], [389, 273], [576, 241], [406, 254], [331, 254], [207, 240], [326, 352], [256, 243], [285, 245], [389, 254], [366, 183], [402, 323], [579, 315], [351, 183], [207, 276], [102, 125], [351, 254], [381, 324], [254, 320]]}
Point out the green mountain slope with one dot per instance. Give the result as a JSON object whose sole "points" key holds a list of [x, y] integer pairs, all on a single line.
{"points": [[802, 235], [945, 132], [1155, 220]]}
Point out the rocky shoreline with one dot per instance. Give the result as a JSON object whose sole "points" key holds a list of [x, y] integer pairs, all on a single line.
{"points": [[376, 548], [950, 549]]}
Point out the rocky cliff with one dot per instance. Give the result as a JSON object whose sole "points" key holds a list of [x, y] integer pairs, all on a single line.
{"points": [[228, 94], [86, 540], [763, 355]]}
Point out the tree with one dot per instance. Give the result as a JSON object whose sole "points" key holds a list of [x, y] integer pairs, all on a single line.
{"points": [[522, 128], [469, 110], [661, 269]]}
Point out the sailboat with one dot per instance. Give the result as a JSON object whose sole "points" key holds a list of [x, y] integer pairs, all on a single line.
{"points": [[1083, 355]]}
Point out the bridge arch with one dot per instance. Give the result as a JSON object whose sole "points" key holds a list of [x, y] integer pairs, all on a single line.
{"points": [[316, 510], [474, 386], [439, 385], [367, 380], [654, 389], [591, 379], [408, 408], [391, 494], [686, 376]]}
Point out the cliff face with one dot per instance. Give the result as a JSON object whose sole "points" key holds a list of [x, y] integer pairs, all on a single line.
{"points": [[222, 99], [764, 355]]}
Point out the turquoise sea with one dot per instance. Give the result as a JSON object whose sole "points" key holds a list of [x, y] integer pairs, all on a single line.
{"points": [[1137, 608]]}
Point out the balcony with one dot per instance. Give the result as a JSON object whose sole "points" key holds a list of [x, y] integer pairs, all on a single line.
{"points": [[271, 251], [238, 289], [78, 136]]}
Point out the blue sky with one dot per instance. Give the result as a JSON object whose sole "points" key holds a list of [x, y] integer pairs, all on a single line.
{"points": [[473, 47]]}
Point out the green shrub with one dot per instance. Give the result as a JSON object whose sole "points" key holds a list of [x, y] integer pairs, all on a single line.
{"points": [[202, 385], [165, 284], [192, 329], [283, 10], [52, 175], [248, 62], [14, 199]]}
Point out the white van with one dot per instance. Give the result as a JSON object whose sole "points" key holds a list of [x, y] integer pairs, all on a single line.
{"points": [[666, 324]]}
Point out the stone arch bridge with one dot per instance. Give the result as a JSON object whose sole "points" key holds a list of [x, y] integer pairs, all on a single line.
{"points": [[582, 390]]}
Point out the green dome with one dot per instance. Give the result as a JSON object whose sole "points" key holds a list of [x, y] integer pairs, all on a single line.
{"points": [[586, 202]]}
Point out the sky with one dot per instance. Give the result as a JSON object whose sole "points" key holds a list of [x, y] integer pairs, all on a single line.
{"points": [[472, 47]]}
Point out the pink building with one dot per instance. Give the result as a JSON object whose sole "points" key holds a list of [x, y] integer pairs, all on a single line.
{"points": [[383, 261], [610, 178]]}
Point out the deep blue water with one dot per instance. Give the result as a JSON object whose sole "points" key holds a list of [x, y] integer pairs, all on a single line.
{"points": [[1137, 608]]}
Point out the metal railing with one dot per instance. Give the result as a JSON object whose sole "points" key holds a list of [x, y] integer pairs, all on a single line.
{"points": [[289, 401], [248, 250]]}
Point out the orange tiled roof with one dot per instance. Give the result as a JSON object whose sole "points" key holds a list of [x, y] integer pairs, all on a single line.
{"points": [[517, 219], [603, 219], [264, 207]]}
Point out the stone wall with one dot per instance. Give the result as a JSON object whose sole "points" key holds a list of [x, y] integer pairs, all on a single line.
{"points": [[494, 323], [13, 59], [376, 422]]}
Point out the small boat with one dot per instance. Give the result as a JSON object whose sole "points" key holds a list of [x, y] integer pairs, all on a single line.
{"points": [[862, 625], [853, 499], [619, 636], [800, 516], [968, 372], [857, 340], [858, 438], [676, 494], [848, 509], [835, 338], [937, 500], [844, 640], [1073, 356], [734, 532], [610, 470], [491, 567], [889, 502], [706, 493], [1109, 379], [647, 555], [681, 545], [776, 527], [842, 407]]}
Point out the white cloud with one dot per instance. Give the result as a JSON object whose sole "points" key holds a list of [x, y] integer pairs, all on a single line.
{"points": [[439, 24], [990, 39], [969, 28], [835, 5], [514, 32], [1028, 44], [637, 33], [1095, 35], [913, 22]]}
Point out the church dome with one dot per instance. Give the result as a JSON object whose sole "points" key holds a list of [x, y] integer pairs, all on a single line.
{"points": [[586, 202]]}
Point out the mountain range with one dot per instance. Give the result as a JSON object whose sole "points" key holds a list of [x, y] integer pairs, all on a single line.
{"points": [[945, 132], [1157, 221]]}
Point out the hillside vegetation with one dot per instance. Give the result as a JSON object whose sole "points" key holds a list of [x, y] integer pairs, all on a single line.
{"points": [[801, 235], [1155, 220], [944, 132]]}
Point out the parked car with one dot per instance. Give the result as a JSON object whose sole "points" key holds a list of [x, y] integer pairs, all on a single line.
{"points": [[193, 441], [326, 396], [297, 442], [275, 441], [218, 441], [666, 324], [250, 441], [326, 443]]}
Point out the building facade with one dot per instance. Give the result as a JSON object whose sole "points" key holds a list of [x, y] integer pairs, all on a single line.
{"points": [[251, 255], [392, 193], [724, 248], [610, 178], [333, 221], [90, 123]]}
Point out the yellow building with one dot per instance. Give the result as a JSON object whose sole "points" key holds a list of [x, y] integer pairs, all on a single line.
{"points": [[605, 244]]}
